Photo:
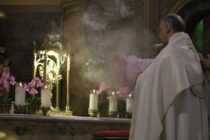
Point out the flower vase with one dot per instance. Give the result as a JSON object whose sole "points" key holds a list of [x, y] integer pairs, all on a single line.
{"points": [[33, 104], [121, 108], [32, 110], [103, 105]]}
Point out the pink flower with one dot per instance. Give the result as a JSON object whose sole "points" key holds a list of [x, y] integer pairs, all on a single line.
{"points": [[33, 91], [6, 73], [123, 91], [6, 86], [25, 86], [32, 83], [31, 87], [12, 80], [39, 83], [102, 87], [6, 80], [1, 80]]}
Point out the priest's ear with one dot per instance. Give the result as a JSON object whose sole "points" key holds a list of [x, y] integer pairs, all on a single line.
{"points": [[167, 28]]}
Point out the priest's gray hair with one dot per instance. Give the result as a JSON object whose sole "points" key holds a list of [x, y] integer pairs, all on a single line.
{"points": [[175, 21]]}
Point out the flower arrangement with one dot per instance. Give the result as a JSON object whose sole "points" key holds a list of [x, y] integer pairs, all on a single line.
{"points": [[105, 92], [32, 86], [103, 102], [33, 101], [6, 81]]}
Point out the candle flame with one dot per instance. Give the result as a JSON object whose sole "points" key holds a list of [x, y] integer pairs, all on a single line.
{"points": [[45, 86], [94, 91], [20, 84], [113, 93]]}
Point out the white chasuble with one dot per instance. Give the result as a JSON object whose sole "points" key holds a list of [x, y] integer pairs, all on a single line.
{"points": [[165, 107]]}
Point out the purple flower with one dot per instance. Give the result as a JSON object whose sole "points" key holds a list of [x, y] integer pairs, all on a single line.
{"points": [[31, 87], [32, 83], [123, 91], [6, 86], [25, 86], [6, 73], [33, 91], [12, 80], [102, 87], [1, 80], [6, 80]]}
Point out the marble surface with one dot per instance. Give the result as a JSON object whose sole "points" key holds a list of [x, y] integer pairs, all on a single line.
{"points": [[57, 127], [64, 118]]}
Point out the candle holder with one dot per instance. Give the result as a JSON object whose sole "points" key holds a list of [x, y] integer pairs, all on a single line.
{"points": [[92, 113], [128, 115], [45, 110], [113, 114], [12, 109], [20, 109]]}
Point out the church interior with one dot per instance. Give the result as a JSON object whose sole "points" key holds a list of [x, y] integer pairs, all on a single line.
{"points": [[67, 50]]}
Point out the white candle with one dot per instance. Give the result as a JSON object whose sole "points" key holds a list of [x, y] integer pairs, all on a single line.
{"points": [[129, 104], [93, 101], [46, 97], [113, 102], [19, 94]]}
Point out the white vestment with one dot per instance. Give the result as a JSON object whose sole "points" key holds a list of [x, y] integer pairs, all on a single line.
{"points": [[165, 105]]}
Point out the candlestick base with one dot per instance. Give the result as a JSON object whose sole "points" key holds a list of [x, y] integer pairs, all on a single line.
{"points": [[67, 113], [45, 110], [112, 114], [128, 115], [92, 113], [20, 109]]}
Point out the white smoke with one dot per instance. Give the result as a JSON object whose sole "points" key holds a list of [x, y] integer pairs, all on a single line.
{"points": [[110, 28], [90, 22]]}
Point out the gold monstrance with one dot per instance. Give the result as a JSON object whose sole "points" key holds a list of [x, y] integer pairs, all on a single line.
{"points": [[47, 65]]}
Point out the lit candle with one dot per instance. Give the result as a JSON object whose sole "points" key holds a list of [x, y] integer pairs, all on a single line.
{"points": [[46, 97], [129, 104], [113, 102], [19, 94], [93, 100]]}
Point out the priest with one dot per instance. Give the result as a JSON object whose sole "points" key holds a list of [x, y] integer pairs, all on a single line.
{"points": [[170, 103]]}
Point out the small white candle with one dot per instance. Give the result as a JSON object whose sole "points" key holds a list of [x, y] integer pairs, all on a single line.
{"points": [[19, 94], [46, 97], [93, 101], [113, 102], [129, 104]]}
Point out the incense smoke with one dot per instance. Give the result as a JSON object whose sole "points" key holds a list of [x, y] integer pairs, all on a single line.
{"points": [[111, 27]]}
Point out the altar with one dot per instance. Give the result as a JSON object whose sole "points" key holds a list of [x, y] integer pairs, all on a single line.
{"points": [[35, 127]]}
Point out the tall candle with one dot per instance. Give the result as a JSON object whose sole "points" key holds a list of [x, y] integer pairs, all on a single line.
{"points": [[93, 101], [19, 94], [46, 97], [113, 102], [129, 104]]}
